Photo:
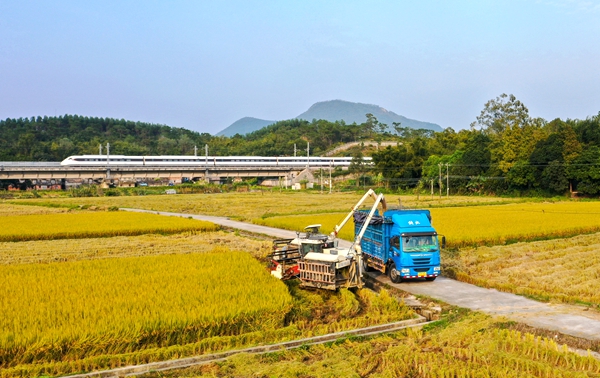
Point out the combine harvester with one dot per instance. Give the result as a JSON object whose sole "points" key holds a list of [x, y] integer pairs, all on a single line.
{"points": [[318, 262], [316, 258]]}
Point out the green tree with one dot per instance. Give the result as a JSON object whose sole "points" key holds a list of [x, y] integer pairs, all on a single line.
{"points": [[588, 130], [397, 165], [370, 126], [62, 148], [166, 146], [476, 158], [503, 112], [357, 166], [585, 171]]}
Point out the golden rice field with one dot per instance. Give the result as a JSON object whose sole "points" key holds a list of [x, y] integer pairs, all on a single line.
{"points": [[298, 222], [151, 294], [481, 225], [313, 313], [62, 250], [252, 205], [69, 311], [92, 224], [488, 225], [561, 270], [474, 346], [74, 305]]}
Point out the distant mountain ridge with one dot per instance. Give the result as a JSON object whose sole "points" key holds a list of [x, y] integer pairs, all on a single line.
{"points": [[334, 110], [244, 126]]}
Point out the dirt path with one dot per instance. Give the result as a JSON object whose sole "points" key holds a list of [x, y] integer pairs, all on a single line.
{"points": [[569, 320]]}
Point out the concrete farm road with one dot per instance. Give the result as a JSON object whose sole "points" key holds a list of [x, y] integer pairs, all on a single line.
{"points": [[566, 319]]}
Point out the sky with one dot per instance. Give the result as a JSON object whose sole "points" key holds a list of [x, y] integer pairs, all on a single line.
{"points": [[202, 65]]}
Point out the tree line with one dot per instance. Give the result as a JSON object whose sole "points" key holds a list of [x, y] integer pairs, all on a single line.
{"points": [[505, 150], [55, 138]]}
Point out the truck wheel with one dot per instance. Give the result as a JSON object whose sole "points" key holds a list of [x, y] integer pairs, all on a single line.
{"points": [[430, 278], [394, 274]]}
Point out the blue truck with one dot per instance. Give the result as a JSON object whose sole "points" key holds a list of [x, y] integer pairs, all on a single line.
{"points": [[401, 243]]}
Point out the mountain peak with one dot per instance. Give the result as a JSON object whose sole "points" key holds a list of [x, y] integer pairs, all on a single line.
{"points": [[335, 110], [244, 126]]}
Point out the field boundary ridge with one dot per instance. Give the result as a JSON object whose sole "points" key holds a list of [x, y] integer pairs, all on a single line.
{"points": [[186, 362]]}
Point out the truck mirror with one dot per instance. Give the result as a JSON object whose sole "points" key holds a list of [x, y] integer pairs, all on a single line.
{"points": [[443, 242]]}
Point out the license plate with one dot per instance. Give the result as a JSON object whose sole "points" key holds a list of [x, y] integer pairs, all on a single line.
{"points": [[422, 274]]}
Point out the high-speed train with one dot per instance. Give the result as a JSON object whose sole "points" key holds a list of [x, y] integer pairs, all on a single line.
{"points": [[210, 161]]}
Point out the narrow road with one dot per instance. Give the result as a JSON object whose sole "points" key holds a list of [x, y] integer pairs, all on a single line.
{"points": [[566, 319]]}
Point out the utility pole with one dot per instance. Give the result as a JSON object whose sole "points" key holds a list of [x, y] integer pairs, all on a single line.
{"points": [[447, 182], [440, 178], [206, 162], [195, 150], [100, 149], [321, 178], [431, 188], [330, 183], [107, 161], [307, 154], [294, 149]]}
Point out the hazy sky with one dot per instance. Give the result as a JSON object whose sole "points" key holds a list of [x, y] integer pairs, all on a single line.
{"points": [[202, 65]]}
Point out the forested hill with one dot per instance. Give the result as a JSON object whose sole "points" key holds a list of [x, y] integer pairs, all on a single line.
{"points": [[55, 138]]}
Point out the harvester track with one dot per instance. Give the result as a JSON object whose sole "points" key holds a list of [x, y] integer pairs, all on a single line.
{"points": [[129, 371]]}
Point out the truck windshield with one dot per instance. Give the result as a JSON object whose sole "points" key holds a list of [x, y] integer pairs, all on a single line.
{"points": [[424, 243]]}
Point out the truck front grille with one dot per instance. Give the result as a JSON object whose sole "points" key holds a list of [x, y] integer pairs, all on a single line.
{"points": [[421, 260]]}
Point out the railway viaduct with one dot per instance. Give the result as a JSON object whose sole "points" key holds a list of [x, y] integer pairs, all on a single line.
{"points": [[53, 172]]}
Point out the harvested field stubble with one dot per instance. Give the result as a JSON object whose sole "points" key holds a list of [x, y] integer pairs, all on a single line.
{"points": [[47, 251], [563, 270], [12, 209], [475, 346], [253, 205]]}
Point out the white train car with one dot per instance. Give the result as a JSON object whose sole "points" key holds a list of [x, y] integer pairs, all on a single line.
{"points": [[210, 161]]}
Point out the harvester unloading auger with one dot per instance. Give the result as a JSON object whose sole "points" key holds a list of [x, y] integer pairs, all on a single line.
{"points": [[317, 260]]}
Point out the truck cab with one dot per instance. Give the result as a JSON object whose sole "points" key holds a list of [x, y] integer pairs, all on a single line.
{"points": [[403, 244]]}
